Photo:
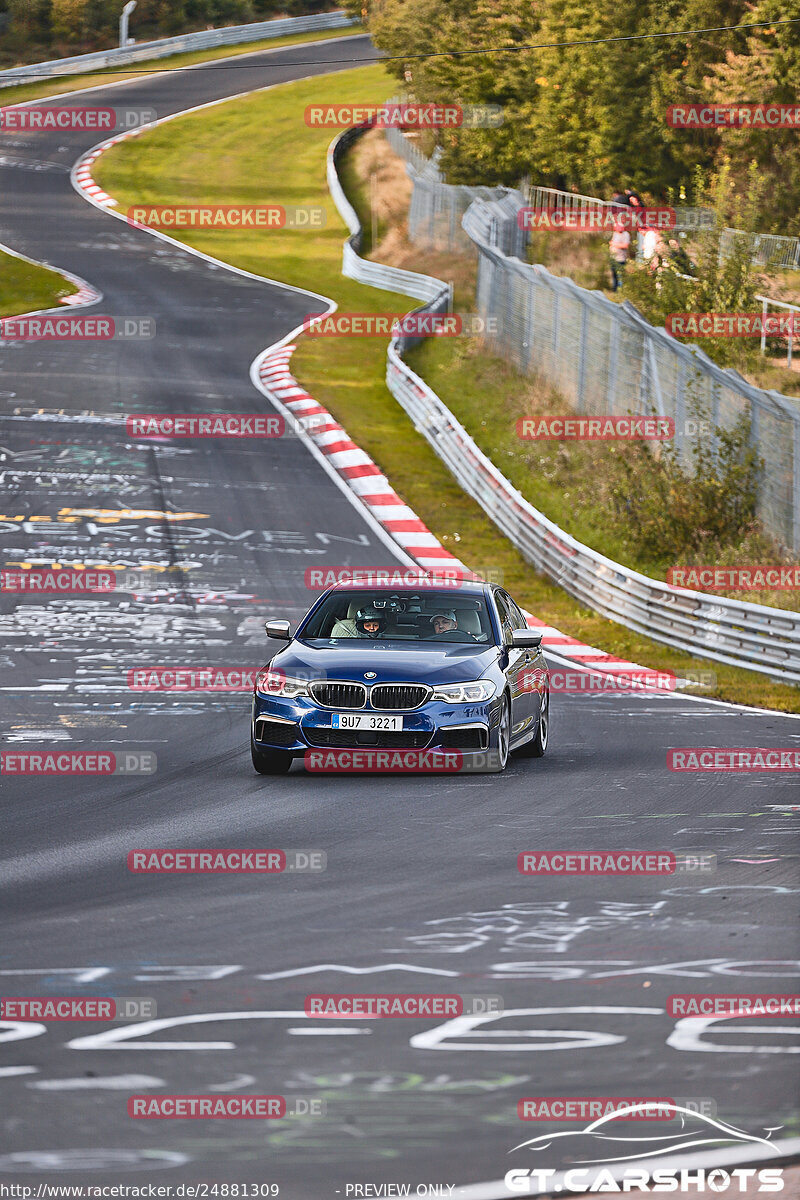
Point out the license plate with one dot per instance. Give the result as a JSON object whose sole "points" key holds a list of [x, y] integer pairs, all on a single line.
{"points": [[369, 721]]}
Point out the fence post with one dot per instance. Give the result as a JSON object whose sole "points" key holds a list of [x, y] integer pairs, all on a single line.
{"points": [[680, 413], [796, 489], [613, 356], [582, 357]]}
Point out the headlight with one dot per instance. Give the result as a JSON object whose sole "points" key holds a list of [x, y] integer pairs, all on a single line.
{"points": [[276, 683], [464, 693]]}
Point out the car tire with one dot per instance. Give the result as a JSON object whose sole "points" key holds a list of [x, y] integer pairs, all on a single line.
{"points": [[500, 755], [270, 762], [538, 745]]}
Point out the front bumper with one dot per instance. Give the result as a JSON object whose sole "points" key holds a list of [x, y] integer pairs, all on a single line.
{"points": [[299, 725]]}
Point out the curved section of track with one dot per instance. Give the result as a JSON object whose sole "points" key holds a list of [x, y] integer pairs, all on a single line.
{"points": [[421, 890]]}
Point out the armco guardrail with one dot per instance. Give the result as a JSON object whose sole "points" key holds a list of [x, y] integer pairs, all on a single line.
{"points": [[753, 636], [205, 39], [434, 292]]}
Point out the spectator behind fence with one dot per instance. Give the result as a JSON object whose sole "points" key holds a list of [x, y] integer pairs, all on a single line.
{"points": [[619, 248]]}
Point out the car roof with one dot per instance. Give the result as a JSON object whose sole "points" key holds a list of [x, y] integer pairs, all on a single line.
{"points": [[467, 587]]}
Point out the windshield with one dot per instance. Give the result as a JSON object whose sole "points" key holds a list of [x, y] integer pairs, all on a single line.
{"points": [[429, 617]]}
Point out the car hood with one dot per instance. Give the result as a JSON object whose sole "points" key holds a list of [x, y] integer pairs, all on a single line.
{"points": [[450, 662]]}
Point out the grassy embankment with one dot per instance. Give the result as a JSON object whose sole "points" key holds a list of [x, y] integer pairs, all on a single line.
{"points": [[258, 148]]}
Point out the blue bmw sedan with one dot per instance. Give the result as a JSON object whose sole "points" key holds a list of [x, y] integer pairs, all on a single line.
{"points": [[448, 668]]}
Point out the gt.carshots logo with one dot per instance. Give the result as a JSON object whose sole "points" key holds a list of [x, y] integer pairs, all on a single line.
{"points": [[225, 862], [606, 1140], [713, 758], [400, 1005], [581, 1180], [211, 425]]}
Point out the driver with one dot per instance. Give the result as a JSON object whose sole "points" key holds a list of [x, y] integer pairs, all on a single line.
{"points": [[445, 625], [444, 621]]}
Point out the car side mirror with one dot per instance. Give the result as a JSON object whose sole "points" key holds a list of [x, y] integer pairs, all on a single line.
{"points": [[278, 630], [526, 638]]}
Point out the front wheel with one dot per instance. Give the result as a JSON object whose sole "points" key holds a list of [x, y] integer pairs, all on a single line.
{"points": [[499, 757], [539, 743], [270, 762]]}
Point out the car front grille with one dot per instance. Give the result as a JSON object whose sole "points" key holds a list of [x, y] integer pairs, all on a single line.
{"points": [[398, 695], [339, 695], [378, 739]]}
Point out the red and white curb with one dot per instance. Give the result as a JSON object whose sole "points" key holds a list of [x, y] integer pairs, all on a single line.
{"points": [[400, 521], [83, 169], [84, 293], [355, 466]]}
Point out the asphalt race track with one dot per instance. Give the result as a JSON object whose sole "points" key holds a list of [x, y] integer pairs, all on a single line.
{"points": [[421, 891]]}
